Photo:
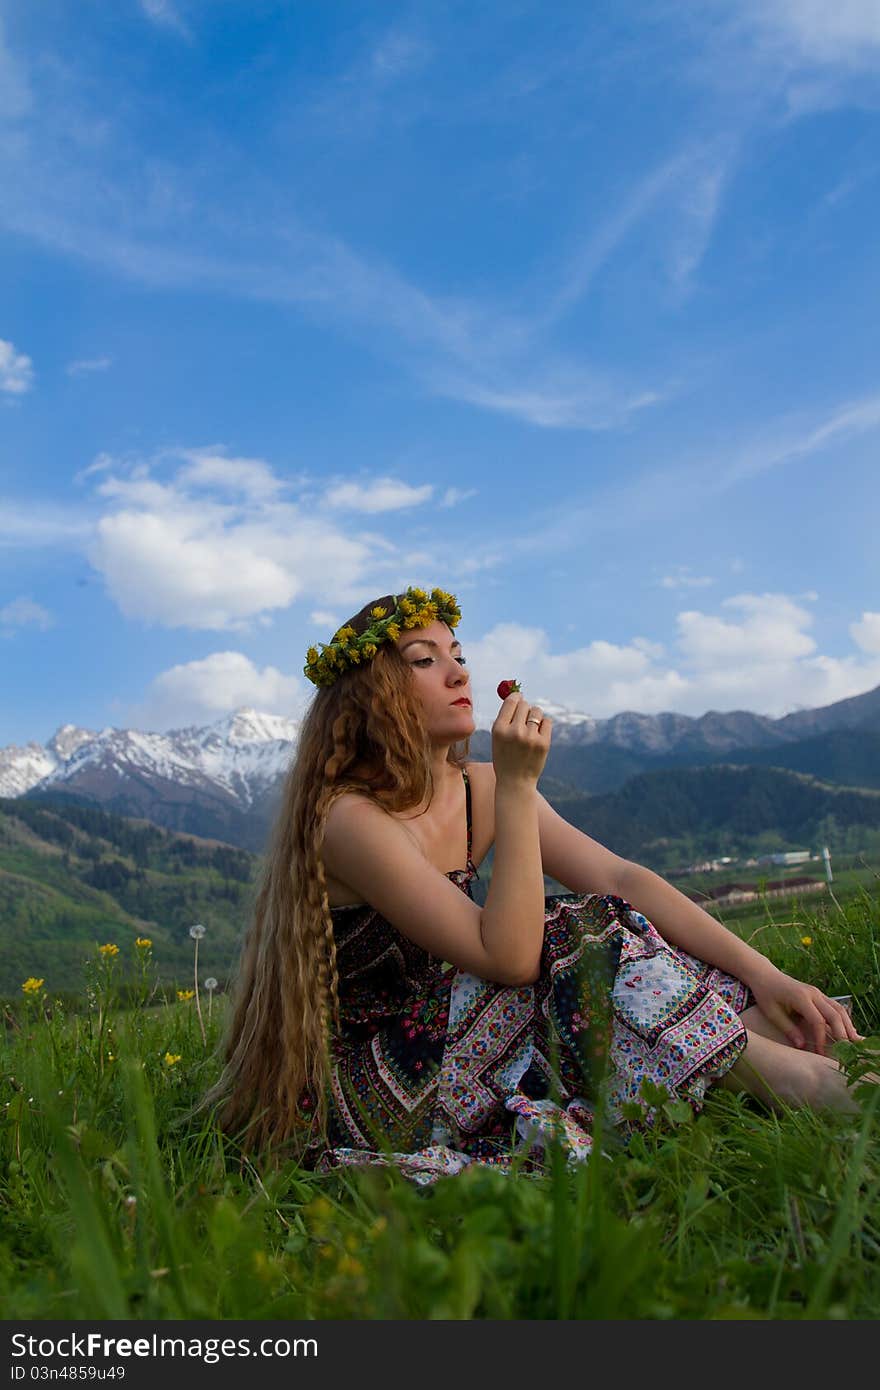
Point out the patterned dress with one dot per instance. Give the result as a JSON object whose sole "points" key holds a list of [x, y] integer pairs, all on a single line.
{"points": [[434, 1068]]}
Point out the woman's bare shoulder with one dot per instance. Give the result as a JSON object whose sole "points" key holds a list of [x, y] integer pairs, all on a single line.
{"points": [[480, 773]]}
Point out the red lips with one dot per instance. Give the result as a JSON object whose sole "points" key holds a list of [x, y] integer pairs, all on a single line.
{"points": [[461, 702]]}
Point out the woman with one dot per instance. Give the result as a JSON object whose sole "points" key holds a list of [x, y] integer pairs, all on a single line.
{"points": [[382, 1015]]}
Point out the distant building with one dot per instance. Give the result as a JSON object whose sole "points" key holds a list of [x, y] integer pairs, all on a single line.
{"points": [[792, 856], [727, 893]]}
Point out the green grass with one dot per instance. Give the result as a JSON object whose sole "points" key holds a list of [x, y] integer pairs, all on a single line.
{"points": [[116, 1202]]}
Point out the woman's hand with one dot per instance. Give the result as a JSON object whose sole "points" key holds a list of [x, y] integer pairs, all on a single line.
{"points": [[520, 741], [806, 1016]]}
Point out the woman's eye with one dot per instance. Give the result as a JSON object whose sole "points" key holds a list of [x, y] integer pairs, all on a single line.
{"points": [[423, 660]]}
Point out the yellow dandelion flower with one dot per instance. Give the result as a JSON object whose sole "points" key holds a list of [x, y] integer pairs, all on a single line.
{"points": [[378, 612], [412, 620], [32, 985], [393, 632], [184, 994], [406, 606], [143, 943], [312, 655], [109, 949], [370, 650], [806, 941], [419, 594], [172, 1058]]}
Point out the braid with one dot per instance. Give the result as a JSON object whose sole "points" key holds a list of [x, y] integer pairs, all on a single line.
{"points": [[363, 733]]}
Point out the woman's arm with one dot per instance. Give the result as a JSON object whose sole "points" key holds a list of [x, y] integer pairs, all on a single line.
{"points": [[802, 1012], [585, 866], [684, 923]]}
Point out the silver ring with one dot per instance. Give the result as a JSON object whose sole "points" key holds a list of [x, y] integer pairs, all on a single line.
{"points": [[533, 721]]}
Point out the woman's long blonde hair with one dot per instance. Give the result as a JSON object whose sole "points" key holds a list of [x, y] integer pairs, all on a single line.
{"points": [[363, 733]]}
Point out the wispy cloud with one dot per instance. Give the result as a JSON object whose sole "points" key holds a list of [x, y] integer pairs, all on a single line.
{"points": [[813, 31], [86, 365], [453, 495], [165, 14], [23, 612], [683, 579], [34, 524], [15, 93], [16, 370], [661, 491], [379, 495]]}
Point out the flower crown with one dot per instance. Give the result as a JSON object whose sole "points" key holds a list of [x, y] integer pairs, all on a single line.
{"points": [[350, 648]]}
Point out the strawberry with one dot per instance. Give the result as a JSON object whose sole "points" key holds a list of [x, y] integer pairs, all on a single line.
{"points": [[506, 688]]}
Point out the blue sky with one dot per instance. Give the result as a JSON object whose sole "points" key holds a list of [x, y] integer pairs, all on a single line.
{"points": [[569, 309]]}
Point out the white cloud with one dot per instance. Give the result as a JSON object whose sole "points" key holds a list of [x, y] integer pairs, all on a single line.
{"points": [[453, 495], [321, 618], [198, 692], [683, 579], [209, 468], [21, 612], [866, 633], [771, 631], [213, 548], [755, 655], [380, 495], [88, 364], [16, 370]]}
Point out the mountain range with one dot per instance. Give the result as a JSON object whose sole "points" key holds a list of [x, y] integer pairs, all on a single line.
{"points": [[222, 781]]}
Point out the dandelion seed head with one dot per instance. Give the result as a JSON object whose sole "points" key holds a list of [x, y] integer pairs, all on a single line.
{"points": [[210, 984], [197, 931]]}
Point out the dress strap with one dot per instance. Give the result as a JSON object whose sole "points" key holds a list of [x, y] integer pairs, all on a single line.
{"points": [[467, 793]]}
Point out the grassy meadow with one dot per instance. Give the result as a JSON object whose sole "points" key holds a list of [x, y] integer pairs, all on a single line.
{"points": [[116, 1201]]}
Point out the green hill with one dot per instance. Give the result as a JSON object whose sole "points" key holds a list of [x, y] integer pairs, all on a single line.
{"points": [[725, 809], [71, 876]]}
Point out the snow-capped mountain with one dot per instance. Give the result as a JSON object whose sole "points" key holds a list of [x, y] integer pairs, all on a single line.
{"points": [[240, 754], [214, 781], [222, 781], [23, 768]]}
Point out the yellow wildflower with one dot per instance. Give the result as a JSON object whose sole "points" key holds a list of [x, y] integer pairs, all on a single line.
{"points": [[412, 620], [419, 594], [406, 606], [32, 985], [109, 949], [184, 994], [393, 632], [370, 650], [378, 612], [143, 943], [312, 655], [806, 941], [172, 1058]]}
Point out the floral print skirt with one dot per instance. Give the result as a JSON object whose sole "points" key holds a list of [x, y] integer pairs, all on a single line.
{"points": [[476, 1072]]}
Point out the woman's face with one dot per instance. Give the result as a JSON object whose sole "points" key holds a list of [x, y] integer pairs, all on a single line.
{"points": [[439, 676]]}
